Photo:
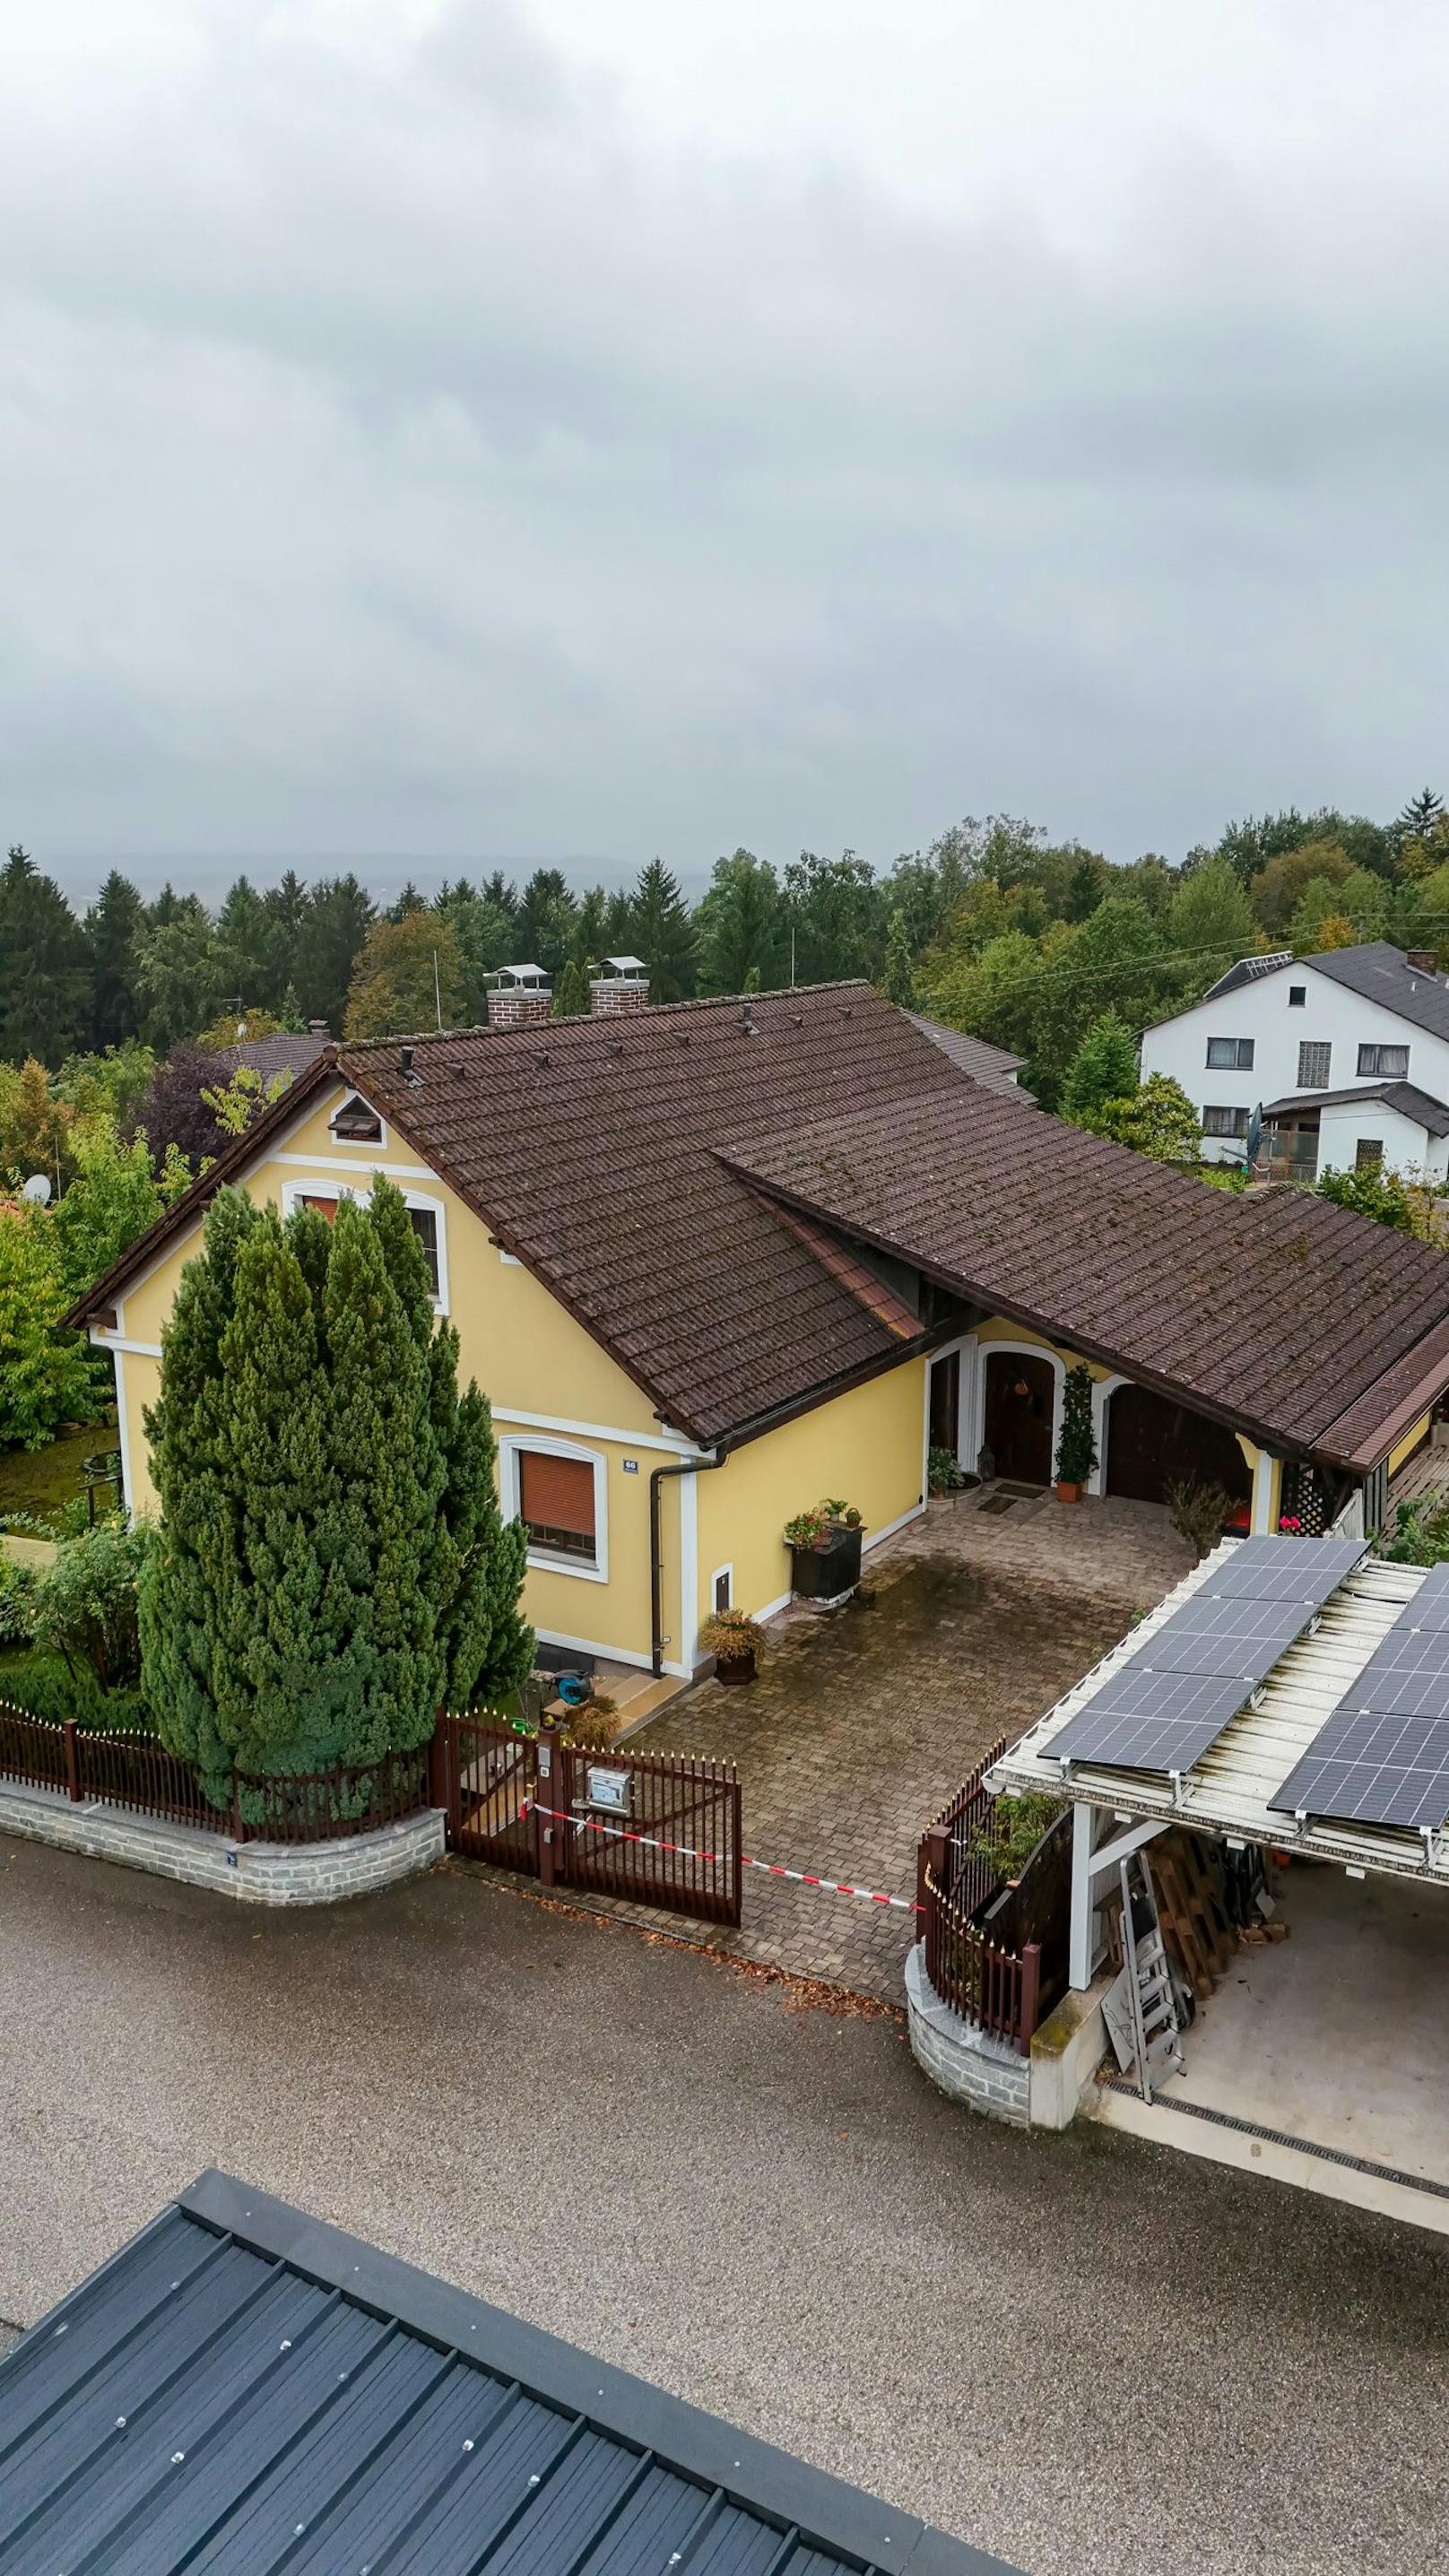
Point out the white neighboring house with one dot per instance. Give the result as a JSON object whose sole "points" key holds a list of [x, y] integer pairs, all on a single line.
{"points": [[1346, 1055]]}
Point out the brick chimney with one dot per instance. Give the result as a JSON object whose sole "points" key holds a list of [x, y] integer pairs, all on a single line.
{"points": [[621, 984], [522, 998], [1420, 961]]}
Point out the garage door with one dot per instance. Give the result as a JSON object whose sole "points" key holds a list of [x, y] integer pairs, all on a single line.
{"points": [[1153, 1443]]}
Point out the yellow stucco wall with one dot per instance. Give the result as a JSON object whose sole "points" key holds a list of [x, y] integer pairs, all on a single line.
{"points": [[525, 1350], [1409, 1443], [866, 1447]]}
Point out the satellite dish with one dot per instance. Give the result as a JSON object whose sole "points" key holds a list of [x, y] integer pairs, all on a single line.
{"points": [[37, 1188]]}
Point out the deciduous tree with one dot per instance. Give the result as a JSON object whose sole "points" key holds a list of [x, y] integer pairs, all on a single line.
{"points": [[406, 979]]}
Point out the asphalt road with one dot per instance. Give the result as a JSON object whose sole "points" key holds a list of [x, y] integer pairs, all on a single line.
{"points": [[1085, 2354]]}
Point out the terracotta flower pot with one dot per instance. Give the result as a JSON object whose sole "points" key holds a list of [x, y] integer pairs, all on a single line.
{"points": [[1066, 1492]]}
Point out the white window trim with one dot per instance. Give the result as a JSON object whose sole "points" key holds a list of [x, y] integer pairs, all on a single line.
{"points": [[339, 1185], [713, 1581], [358, 1144], [509, 1449]]}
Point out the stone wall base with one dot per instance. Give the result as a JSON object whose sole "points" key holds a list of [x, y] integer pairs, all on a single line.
{"points": [[255, 1873], [972, 2067]]}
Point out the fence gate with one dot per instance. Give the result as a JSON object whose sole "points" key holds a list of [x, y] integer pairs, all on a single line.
{"points": [[653, 1828], [483, 1779], [685, 1813]]}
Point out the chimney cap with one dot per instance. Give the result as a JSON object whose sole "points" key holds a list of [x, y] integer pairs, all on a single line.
{"points": [[318, 1029], [624, 965], [523, 974]]}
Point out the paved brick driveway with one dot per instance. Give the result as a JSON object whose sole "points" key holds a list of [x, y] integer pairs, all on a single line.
{"points": [[863, 1721]]}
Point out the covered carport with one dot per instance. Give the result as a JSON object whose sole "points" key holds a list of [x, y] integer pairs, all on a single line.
{"points": [[1328, 2036]]}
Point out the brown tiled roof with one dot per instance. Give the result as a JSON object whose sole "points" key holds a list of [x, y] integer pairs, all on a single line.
{"points": [[638, 1166], [587, 1145], [285, 1051], [1301, 1323]]}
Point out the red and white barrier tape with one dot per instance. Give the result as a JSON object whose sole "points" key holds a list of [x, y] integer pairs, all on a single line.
{"points": [[686, 1851]]}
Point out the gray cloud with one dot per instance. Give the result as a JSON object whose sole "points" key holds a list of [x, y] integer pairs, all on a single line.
{"points": [[422, 437]]}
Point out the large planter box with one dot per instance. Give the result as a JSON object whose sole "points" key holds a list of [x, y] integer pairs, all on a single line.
{"points": [[822, 1574]]}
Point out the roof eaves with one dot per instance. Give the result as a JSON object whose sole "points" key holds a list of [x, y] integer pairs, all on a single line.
{"points": [[175, 1220]]}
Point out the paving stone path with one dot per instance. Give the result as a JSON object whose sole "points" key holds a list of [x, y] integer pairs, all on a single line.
{"points": [[864, 1720]]}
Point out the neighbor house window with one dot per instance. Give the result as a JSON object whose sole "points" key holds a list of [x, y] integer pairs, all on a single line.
{"points": [[356, 1124], [556, 1504], [1314, 1060], [1230, 1055], [1369, 1153], [1297, 996], [324, 1207], [1225, 1122], [1389, 1063]]}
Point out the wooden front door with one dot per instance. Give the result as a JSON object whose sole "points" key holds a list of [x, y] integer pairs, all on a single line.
{"points": [[1019, 1392], [1153, 1443]]}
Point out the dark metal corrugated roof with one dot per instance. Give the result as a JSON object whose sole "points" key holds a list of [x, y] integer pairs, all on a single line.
{"points": [[242, 2389]]}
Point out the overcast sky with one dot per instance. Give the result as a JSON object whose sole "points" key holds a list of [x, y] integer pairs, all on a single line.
{"points": [[587, 428]]}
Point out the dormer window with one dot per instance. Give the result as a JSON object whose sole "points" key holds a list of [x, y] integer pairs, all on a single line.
{"points": [[356, 1123]]}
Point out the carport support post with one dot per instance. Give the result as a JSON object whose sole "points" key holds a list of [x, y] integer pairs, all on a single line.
{"points": [[1080, 1944]]}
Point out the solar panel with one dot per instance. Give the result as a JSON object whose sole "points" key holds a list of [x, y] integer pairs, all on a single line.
{"points": [[1382, 1758], [1151, 1721], [1184, 1682], [1408, 1675], [1284, 1569], [1430, 1605], [1373, 1770], [1245, 1637]]}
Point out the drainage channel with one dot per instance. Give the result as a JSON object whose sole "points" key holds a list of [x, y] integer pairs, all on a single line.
{"points": [[1282, 2138]]}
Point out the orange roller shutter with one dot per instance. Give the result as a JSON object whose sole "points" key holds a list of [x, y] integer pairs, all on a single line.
{"points": [[557, 1493]]}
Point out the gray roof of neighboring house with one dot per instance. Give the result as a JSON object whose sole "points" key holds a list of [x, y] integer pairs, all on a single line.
{"points": [[1381, 973], [993, 1065], [1420, 1106], [288, 1051], [244, 2388], [1246, 971]]}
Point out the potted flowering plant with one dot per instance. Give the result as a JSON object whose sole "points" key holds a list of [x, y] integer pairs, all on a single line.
{"points": [[1076, 1448], [735, 1641], [824, 1546]]}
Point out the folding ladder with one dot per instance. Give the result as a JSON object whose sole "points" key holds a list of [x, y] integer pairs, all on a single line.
{"points": [[1156, 2038]]}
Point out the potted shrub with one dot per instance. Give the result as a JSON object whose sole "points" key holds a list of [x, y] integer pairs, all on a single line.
{"points": [[736, 1642], [1076, 1448], [824, 1546]]}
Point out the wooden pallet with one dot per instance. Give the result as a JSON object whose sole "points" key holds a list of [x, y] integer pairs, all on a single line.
{"points": [[1195, 1924]]}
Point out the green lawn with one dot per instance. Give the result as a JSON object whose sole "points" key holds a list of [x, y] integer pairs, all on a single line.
{"points": [[36, 1480]]}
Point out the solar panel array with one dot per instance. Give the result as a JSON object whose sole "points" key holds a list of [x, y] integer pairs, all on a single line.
{"points": [[1170, 1700], [1383, 1756]]}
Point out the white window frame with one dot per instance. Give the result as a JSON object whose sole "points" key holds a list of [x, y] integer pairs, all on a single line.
{"points": [[347, 1185], [510, 1448], [1224, 1109], [729, 1573], [1238, 1064], [357, 1144]]}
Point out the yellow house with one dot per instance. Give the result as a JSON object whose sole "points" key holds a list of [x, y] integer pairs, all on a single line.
{"points": [[712, 1261]]}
